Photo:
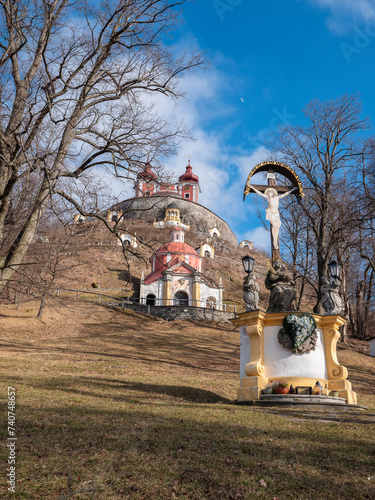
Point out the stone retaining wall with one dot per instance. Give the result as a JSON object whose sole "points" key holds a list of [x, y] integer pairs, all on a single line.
{"points": [[172, 313]]}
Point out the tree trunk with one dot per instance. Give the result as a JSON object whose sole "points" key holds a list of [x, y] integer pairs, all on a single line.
{"points": [[25, 237], [42, 304]]}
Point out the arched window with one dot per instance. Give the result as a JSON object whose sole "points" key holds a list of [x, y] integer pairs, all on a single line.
{"points": [[150, 299], [211, 303], [181, 299], [114, 216], [126, 239], [207, 253]]}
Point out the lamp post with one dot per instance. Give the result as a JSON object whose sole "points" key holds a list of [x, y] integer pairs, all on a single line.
{"points": [[248, 264], [335, 269], [250, 287]]}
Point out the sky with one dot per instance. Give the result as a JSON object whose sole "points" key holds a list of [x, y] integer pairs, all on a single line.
{"points": [[267, 60]]}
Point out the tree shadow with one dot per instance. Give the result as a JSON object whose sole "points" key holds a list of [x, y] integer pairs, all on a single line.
{"points": [[124, 275], [188, 455], [98, 387]]}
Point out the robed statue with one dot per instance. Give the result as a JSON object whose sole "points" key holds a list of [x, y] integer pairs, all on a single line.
{"points": [[282, 287]]}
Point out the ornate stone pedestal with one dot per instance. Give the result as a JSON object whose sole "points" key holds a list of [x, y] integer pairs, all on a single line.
{"points": [[263, 360]]}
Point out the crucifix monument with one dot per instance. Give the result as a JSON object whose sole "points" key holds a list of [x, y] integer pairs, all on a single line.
{"points": [[273, 194], [282, 346]]}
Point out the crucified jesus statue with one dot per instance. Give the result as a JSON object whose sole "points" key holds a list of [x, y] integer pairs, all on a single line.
{"points": [[272, 212]]}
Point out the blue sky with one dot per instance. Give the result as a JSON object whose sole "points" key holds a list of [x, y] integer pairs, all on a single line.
{"points": [[268, 59]]}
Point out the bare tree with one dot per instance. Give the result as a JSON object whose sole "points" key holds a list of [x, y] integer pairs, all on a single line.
{"points": [[78, 87], [46, 263], [327, 152]]}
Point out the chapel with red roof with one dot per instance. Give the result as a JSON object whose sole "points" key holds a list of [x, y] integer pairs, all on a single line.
{"points": [[176, 277]]}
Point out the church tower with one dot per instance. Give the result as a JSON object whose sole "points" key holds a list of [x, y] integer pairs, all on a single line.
{"points": [[189, 188]]}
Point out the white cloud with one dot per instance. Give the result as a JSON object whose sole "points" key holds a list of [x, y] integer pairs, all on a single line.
{"points": [[346, 14], [260, 237], [222, 169]]}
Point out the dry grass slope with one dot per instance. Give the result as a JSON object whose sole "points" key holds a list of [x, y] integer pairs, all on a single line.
{"points": [[115, 405]]}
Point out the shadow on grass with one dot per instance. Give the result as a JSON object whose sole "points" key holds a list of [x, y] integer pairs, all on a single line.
{"points": [[100, 387], [199, 361], [171, 347], [179, 453]]}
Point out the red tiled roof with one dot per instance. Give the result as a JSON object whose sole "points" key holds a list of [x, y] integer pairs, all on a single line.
{"points": [[177, 247], [181, 268]]}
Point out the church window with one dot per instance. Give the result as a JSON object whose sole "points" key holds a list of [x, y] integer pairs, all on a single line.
{"points": [[187, 195]]}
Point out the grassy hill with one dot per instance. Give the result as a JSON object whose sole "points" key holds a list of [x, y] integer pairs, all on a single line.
{"points": [[94, 256], [113, 405]]}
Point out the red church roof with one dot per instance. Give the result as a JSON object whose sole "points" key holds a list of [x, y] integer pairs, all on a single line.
{"points": [[188, 176], [176, 252], [147, 174], [176, 265], [176, 247]]}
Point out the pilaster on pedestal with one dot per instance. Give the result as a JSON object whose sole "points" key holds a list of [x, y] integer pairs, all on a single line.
{"points": [[251, 388]]}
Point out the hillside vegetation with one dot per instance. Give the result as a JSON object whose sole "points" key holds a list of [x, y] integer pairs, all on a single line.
{"points": [[113, 405], [94, 255]]}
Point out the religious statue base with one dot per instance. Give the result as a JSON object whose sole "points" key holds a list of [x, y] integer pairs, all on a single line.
{"points": [[264, 359]]}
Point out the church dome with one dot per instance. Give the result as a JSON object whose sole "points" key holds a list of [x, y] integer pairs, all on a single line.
{"points": [[173, 205], [173, 255], [176, 247], [188, 176]]}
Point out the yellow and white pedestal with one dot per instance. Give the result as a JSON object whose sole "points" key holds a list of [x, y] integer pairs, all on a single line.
{"points": [[264, 360]]}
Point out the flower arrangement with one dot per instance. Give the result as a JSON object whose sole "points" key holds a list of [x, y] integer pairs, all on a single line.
{"points": [[281, 387], [299, 328], [283, 384]]}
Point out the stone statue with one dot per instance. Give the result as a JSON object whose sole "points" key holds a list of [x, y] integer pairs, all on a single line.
{"points": [[282, 287], [331, 300], [272, 212], [251, 289]]}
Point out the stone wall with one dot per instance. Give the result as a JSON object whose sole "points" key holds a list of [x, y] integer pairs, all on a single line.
{"points": [[172, 313], [200, 218]]}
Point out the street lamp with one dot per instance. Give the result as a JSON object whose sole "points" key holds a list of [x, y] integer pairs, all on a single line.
{"points": [[250, 287], [335, 269], [248, 264]]}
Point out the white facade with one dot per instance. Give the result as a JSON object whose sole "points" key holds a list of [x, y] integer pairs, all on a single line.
{"points": [[214, 232], [206, 250], [128, 239], [281, 362], [247, 244]]}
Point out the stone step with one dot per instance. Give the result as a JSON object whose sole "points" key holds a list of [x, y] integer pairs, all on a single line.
{"points": [[302, 399]]}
